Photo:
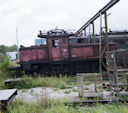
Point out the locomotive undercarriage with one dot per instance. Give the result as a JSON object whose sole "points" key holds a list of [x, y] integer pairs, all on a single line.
{"points": [[64, 67]]}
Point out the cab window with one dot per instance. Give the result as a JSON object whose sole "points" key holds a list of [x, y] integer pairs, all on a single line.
{"points": [[55, 43]]}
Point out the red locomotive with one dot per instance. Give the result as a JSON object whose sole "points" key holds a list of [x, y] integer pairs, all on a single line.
{"points": [[59, 56]]}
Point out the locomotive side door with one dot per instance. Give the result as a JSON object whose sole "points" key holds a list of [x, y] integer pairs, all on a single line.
{"points": [[54, 49], [64, 48]]}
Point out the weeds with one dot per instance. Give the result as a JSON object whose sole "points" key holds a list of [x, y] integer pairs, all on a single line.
{"points": [[67, 92], [29, 82], [59, 82], [74, 90], [20, 106], [2, 82], [4, 65], [24, 83]]}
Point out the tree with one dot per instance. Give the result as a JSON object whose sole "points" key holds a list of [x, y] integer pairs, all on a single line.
{"points": [[12, 48], [4, 49]]}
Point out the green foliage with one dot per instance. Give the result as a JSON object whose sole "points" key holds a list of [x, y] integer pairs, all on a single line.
{"points": [[59, 82], [1, 82], [4, 49], [4, 65], [12, 48], [74, 90], [24, 83], [67, 92], [20, 106], [29, 82]]}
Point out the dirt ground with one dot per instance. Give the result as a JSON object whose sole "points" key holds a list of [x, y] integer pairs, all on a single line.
{"points": [[34, 94]]}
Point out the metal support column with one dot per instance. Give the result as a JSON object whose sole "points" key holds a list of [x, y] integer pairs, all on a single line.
{"points": [[85, 32], [93, 27], [89, 39], [106, 32], [106, 46], [100, 45]]}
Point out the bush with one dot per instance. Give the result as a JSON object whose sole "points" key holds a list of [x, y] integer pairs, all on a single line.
{"points": [[4, 65], [4, 72], [59, 82], [29, 82], [2, 83], [24, 83]]}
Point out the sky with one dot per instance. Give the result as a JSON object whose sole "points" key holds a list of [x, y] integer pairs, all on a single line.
{"points": [[30, 16]]}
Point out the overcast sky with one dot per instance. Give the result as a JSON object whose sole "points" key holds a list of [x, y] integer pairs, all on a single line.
{"points": [[30, 16]]}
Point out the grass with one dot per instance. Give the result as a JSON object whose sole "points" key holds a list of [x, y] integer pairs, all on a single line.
{"points": [[29, 82], [74, 90], [86, 88], [67, 92], [45, 105], [2, 79], [20, 106], [55, 82], [2, 83]]}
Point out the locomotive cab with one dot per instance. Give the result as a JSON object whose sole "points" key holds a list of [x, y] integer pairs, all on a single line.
{"points": [[57, 42]]}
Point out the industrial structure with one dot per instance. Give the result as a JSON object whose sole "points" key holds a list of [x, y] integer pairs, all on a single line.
{"points": [[119, 37], [57, 55], [103, 31]]}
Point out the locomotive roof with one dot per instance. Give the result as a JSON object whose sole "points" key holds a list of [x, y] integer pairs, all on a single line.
{"points": [[120, 32], [55, 33]]}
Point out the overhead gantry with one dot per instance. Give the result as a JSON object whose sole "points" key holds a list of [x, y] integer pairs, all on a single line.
{"points": [[104, 34]]}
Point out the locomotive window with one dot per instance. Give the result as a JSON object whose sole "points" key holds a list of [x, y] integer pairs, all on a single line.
{"points": [[80, 40], [43, 41], [127, 41], [120, 41], [55, 43]]}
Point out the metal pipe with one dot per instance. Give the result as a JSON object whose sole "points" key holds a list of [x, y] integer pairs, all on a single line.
{"points": [[102, 11]]}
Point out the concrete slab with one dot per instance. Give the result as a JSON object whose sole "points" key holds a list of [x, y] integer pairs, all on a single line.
{"points": [[7, 95]]}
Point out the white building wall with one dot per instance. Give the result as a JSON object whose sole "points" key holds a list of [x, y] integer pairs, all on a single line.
{"points": [[12, 55]]}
